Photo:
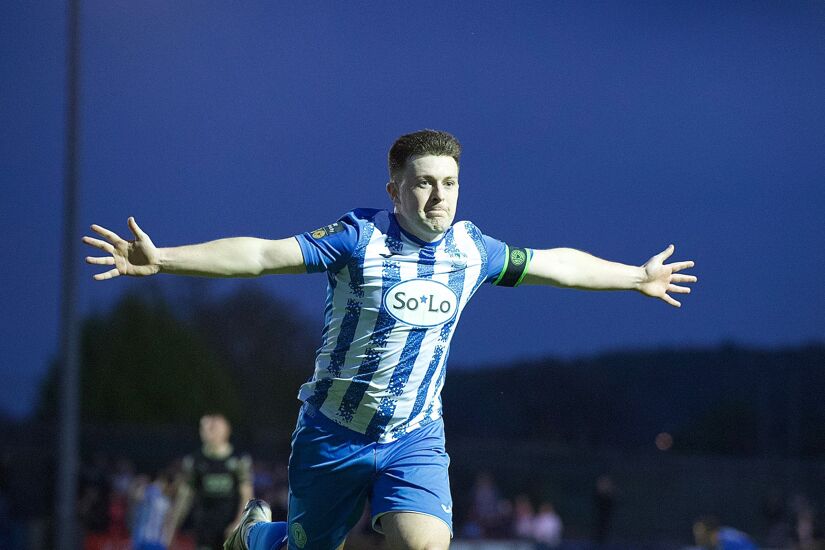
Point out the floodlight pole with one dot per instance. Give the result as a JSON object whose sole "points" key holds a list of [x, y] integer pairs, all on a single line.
{"points": [[67, 535]]}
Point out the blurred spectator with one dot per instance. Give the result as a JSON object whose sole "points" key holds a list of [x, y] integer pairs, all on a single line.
{"points": [[471, 529], [807, 530], [489, 511], [547, 527], [485, 496], [604, 501], [523, 518], [710, 535], [123, 476], [152, 501]]}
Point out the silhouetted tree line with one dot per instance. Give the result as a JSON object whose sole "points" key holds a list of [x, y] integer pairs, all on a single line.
{"points": [[156, 359], [727, 400]]}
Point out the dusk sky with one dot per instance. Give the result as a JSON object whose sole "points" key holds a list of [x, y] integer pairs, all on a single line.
{"points": [[616, 128]]}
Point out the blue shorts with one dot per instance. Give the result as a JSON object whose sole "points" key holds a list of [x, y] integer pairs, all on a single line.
{"points": [[334, 470]]}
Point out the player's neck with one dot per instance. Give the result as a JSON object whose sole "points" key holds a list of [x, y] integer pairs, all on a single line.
{"points": [[219, 450], [428, 237]]}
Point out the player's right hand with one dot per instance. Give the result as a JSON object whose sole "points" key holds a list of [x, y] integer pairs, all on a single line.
{"points": [[138, 258]]}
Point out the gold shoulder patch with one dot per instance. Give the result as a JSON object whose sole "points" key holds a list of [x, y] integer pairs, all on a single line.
{"points": [[327, 230]]}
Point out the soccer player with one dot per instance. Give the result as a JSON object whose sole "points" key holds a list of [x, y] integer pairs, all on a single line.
{"points": [[370, 424], [215, 484]]}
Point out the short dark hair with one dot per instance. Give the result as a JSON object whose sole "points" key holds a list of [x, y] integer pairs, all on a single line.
{"points": [[423, 142]]}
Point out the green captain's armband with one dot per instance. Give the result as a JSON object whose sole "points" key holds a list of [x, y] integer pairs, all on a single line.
{"points": [[516, 261]]}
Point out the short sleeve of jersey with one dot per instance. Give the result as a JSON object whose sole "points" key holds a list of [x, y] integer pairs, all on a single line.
{"points": [[500, 257], [496, 252], [329, 248]]}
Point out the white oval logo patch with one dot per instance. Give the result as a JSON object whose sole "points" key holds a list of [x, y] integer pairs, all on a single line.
{"points": [[421, 302]]}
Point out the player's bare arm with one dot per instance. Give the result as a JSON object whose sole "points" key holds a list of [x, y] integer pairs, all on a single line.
{"points": [[232, 257], [569, 268], [245, 492], [181, 505]]}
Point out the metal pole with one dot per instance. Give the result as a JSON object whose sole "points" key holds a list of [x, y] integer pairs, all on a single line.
{"points": [[67, 533]]}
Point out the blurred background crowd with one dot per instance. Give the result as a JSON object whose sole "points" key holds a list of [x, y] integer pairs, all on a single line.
{"points": [[114, 493]]}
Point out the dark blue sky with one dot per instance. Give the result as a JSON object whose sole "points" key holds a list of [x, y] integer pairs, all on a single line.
{"points": [[615, 128]]}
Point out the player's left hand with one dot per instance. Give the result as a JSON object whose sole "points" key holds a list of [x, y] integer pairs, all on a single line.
{"points": [[660, 277]]}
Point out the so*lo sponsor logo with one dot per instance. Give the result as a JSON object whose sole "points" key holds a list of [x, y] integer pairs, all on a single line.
{"points": [[421, 302]]}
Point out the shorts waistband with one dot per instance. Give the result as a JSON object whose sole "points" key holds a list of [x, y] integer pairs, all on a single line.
{"points": [[309, 415]]}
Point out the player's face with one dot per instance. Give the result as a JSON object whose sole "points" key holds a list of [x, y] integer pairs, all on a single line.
{"points": [[425, 195], [214, 430]]}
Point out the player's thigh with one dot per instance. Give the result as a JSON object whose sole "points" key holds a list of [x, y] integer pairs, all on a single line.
{"points": [[330, 476], [411, 531], [324, 506]]}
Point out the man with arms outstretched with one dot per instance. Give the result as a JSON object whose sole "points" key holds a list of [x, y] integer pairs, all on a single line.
{"points": [[370, 424]]}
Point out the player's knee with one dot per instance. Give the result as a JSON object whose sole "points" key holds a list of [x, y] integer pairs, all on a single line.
{"points": [[421, 544]]}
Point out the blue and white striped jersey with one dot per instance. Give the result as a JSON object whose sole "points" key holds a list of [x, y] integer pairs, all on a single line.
{"points": [[392, 305], [151, 517]]}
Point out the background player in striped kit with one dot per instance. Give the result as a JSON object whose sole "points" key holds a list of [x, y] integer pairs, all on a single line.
{"points": [[370, 426]]}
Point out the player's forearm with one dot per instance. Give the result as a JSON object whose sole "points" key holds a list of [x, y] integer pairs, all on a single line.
{"points": [[570, 268], [180, 508], [245, 492], [232, 257]]}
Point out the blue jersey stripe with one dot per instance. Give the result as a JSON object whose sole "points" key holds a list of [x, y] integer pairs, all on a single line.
{"points": [[421, 397], [390, 275], [345, 337], [322, 387], [349, 324], [386, 408], [372, 356], [438, 385], [455, 281], [409, 355], [355, 265]]}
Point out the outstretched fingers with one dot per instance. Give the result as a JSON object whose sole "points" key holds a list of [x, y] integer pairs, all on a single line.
{"points": [[683, 279], [679, 266], [105, 260], [666, 253], [667, 298], [678, 289], [106, 234], [107, 275], [108, 247], [97, 243]]}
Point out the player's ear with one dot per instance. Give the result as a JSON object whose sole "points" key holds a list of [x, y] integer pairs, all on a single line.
{"points": [[392, 190]]}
